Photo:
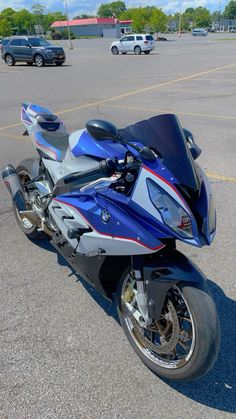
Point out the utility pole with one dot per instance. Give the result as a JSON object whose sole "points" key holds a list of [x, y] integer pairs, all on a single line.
{"points": [[180, 19], [70, 45]]}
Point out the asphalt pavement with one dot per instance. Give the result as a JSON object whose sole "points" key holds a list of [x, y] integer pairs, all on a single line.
{"points": [[62, 352]]}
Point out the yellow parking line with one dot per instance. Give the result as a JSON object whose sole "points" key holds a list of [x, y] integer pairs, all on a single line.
{"points": [[10, 126], [15, 137], [146, 89], [135, 92], [221, 178], [138, 108]]}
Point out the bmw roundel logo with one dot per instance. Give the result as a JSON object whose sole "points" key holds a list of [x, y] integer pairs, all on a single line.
{"points": [[105, 216]]}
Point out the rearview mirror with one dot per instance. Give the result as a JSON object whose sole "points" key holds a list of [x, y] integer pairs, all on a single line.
{"points": [[193, 147], [102, 130]]}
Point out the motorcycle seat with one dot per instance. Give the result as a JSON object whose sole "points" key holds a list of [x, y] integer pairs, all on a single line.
{"points": [[52, 144]]}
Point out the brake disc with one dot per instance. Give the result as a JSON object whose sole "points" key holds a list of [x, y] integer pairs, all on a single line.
{"points": [[171, 329]]}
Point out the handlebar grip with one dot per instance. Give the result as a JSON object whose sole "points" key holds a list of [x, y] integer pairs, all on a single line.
{"points": [[67, 183], [105, 168]]}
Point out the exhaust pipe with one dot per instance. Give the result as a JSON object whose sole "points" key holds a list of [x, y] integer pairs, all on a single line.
{"points": [[12, 182]]}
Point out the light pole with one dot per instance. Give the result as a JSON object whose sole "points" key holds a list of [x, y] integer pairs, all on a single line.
{"points": [[68, 27], [180, 18]]}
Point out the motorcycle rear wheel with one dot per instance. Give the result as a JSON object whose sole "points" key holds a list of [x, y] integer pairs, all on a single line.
{"points": [[184, 344], [29, 229]]}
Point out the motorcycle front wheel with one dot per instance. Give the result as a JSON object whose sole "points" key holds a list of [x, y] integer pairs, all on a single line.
{"points": [[183, 344]]}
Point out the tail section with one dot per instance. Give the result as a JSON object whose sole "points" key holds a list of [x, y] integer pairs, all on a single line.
{"points": [[37, 118], [47, 131]]}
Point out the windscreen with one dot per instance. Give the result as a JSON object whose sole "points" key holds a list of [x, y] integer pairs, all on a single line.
{"points": [[165, 135]]}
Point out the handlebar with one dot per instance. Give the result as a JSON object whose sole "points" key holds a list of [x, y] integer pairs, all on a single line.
{"points": [[105, 168], [74, 181]]}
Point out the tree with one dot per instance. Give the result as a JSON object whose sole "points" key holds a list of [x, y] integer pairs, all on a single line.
{"points": [[111, 9], [38, 9], [158, 20], [202, 17], [49, 18], [7, 13], [215, 16], [83, 16], [23, 22], [7, 21], [146, 19], [188, 18], [230, 10], [5, 27]]}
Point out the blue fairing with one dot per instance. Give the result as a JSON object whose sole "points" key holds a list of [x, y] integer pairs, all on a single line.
{"points": [[39, 109], [86, 145], [121, 224], [203, 205]]}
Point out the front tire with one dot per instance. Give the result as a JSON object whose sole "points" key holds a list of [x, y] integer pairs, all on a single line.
{"points": [[39, 61], [184, 344], [115, 51]]}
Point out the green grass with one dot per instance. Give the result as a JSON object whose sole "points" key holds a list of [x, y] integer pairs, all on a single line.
{"points": [[226, 39]]}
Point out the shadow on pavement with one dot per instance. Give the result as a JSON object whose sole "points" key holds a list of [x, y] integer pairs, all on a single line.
{"points": [[218, 388], [106, 305]]}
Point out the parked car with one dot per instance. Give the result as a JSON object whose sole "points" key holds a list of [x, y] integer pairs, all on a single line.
{"points": [[199, 32], [233, 30], [136, 43], [2, 43], [32, 50]]}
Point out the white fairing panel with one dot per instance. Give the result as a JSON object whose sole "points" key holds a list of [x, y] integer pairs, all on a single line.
{"points": [[75, 137], [141, 196], [66, 217], [76, 164]]}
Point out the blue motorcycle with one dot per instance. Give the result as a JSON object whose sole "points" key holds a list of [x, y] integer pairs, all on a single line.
{"points": [[114, 202]]}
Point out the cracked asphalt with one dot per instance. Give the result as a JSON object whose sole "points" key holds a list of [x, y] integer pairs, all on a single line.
{"points": [[62, 352]]}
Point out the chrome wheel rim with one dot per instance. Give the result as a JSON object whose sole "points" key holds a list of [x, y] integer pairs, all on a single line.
{"points": [[170, 342], [9, 60], [115, 50], [137, 50], [38, 61]]}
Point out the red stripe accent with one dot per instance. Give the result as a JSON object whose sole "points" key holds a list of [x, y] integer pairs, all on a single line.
{"points": [[47, 148], [109, 235], [165, 181]]}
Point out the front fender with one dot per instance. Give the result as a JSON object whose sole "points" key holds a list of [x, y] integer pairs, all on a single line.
{"points": [[168, 269]]}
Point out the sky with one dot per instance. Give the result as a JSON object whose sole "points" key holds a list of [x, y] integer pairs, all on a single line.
{"points": [[76, 7]]}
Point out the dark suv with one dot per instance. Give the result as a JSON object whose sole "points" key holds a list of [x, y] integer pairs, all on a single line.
{"points": [[31, 49]]}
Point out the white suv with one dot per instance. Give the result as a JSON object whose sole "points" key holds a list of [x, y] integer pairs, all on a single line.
{"points": [[136, 43]]}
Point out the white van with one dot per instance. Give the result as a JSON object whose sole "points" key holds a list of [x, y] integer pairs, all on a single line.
{"points": [[199, 32]]}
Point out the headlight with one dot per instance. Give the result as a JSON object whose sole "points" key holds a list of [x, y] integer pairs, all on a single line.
{"points": [[49, 52], [172, 214]]}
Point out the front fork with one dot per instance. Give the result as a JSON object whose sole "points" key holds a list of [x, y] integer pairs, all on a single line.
{"points": [[141, 298], [153, 280]]}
